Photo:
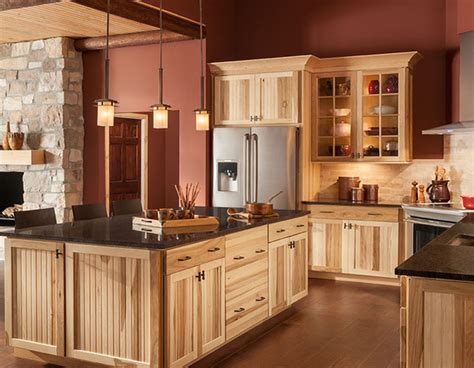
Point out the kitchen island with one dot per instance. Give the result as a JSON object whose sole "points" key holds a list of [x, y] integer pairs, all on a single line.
{"points": [[437, 301], [100, 292]]}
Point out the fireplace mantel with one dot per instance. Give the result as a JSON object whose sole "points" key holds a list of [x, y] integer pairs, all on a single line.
{"points": [[22, 157]]}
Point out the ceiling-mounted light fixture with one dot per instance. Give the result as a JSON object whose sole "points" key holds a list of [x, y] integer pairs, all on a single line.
{"points": [[202, 115], [106, 106], [160, 111]]}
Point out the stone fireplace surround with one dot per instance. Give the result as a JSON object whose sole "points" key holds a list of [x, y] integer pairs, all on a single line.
{"points": [[41, 95]]}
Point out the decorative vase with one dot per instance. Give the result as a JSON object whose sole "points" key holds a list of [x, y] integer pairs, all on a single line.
{"points": [[15, 140], [438, 191], [5, 144], [374, 87]]}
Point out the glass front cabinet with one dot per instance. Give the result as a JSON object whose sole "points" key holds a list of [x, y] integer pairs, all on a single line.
{"points": [[362, 115]]}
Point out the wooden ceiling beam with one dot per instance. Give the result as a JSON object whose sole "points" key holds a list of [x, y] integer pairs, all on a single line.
{"points": [[126, 40]]}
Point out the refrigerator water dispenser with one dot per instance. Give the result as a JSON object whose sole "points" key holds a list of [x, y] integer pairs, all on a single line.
{"points": [[227, 174]]}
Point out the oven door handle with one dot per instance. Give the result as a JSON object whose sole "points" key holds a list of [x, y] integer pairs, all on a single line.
{"points": [[430, 222]]}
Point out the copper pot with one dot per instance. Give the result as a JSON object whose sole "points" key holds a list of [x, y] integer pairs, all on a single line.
{"points": [[262, 209], [371, 192], [357, 194], [345, 185]]}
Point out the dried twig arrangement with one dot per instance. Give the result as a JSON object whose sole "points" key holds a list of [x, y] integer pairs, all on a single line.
{"points": [[188, 196]]}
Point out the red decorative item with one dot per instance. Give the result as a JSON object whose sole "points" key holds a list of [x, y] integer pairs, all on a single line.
{"points": [[374, 87], [468, 202]]}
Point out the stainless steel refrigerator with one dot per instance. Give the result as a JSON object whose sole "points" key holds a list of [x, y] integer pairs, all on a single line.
{"points": [[252, 164]]}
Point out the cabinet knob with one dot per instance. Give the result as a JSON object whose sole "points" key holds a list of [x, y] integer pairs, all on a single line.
{"points": [[213, 250], [184, 259], [58, 253], [256, 118], [258, 251], [280, 231], [238, 258], [240, 310], [251, 118]]}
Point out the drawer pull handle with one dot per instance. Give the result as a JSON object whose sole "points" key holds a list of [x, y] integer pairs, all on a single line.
{"points": [[326, 211], [213, 250], [187, 258], [238, 258], [240, 310], [300, 225], [374, 214], [258, 251], [260, 299], [281, 231]]}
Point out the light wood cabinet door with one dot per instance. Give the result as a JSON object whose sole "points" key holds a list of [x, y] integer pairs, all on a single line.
{"points": [[298, 267], [372, 248], [278, 275], [326, 245], [182, 322], [212, 305], [277, 97], [34, 296], [234, 99], [112, 305]]}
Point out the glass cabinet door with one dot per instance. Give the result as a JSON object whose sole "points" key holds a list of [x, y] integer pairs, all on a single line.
{"points": [[380, 116], [332, 118]]}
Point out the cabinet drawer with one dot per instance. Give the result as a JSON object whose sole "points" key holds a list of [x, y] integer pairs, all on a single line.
{"points": [[390, 214], [193, 255], [247, 310], [248, 277], [245, 247], [287, 228]]}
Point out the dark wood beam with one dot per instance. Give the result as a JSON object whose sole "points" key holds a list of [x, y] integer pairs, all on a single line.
{"points": [[126, 40], [16, 4], [146, 14]]}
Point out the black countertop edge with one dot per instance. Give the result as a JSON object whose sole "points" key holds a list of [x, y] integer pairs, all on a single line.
{"points": [[339, 202], [117, 231], [440, 260]]}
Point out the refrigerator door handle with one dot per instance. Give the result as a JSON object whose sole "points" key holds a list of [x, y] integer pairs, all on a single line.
{"points": [[246, 167], [255, 166]]}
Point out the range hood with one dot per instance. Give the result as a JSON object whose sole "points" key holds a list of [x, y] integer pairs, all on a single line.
{"points": [[466, 101]]}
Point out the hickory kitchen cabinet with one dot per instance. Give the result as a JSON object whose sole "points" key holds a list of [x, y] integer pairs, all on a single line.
{"points": [[355, 240], [362, 109]]}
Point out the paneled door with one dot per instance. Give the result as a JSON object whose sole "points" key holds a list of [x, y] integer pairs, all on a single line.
{"points": [[125, 159], [298, 267], [372, 248], [326, 245], [277, 97], [212, 305], [278, 275], [234, 99], [109, 296], [34, 296]]}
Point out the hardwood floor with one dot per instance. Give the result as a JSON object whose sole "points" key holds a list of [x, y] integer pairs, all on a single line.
{"points": [[338, 325]]}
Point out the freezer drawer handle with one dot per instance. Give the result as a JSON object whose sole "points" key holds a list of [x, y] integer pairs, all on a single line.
{"points": [[241, 309], [187, 258], [260, 299], [213, 250], [258, 251], [238, 258]]}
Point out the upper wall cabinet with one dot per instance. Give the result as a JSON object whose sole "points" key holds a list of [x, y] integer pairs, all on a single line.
{"points": [[259, 92], [362, 110]]}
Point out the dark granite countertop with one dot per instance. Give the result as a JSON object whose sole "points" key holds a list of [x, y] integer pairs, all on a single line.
{"points": [[117, 231], [339, 202], [441, 260]]}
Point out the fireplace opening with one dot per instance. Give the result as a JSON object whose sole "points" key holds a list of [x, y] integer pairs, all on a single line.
{"points": [[11, 194]]}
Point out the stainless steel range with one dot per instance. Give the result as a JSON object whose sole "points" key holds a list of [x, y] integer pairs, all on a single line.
{"points": [[427, 221]]}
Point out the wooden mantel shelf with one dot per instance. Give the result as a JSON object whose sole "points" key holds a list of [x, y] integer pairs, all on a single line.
{"points": [[22, 157]]}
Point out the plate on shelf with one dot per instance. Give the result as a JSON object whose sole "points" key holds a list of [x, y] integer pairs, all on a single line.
{"points": [[383, 110]]}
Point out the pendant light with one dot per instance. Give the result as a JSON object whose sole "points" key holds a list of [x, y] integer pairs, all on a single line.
{"points": [[160, 111], [106, 106], [202, 115]]}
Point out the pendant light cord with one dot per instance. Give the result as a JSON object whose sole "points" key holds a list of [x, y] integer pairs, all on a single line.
{"points": [[107, 61], [161, 52], [202, 55]]}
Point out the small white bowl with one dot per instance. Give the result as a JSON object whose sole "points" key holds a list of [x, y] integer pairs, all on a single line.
{"points": [[384, 110], [341, 112]]}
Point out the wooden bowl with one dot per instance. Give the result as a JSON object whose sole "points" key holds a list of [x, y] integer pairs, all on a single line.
{"points": [[15, 140], [262, 209]]}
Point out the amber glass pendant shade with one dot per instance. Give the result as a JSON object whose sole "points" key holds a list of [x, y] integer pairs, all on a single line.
{"points": [[160, 116], [202, 120], [105, 113]]}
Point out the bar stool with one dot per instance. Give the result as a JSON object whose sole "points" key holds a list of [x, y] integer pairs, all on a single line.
{"points": [[42, 217], [127, 207], [89, 211]]}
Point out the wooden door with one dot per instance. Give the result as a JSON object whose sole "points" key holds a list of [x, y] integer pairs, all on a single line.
{"points": [[234, 99], [440, 324], [34, 296], [125, 159], [181, 317], [298, 267], [108, 304], [277, 97], [278, 275], [372, 248], [326, 245], [212, 305]]}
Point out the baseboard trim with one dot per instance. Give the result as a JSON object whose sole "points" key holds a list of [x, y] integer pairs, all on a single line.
{"points": [[354, 278]]}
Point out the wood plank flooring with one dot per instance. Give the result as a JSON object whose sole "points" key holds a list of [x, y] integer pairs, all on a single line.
{"points": [[339, 325]]}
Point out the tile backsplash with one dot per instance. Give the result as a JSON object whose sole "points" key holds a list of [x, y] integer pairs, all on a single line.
{"points": [[395, 180]]}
